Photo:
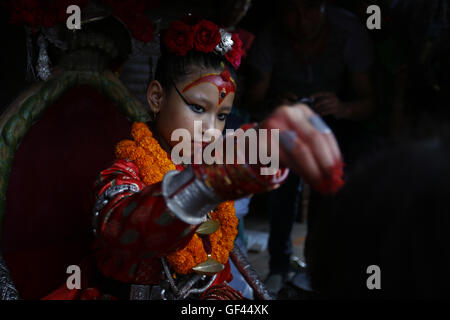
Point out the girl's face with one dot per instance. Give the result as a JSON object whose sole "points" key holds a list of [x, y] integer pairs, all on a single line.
{"points": [[202, 103]]}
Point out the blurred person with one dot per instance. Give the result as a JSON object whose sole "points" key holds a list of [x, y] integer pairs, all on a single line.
{"points": [[324, 53], [393, 213], [424, 78]]}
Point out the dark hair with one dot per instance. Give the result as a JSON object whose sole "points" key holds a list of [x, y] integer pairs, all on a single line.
{"points": [[172, 68]]}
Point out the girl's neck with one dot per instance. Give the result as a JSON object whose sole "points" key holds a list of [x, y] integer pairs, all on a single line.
{"points": [[162, 142]]}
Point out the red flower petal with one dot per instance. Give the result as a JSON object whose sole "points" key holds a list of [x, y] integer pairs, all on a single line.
{"points": [[206, 36]]}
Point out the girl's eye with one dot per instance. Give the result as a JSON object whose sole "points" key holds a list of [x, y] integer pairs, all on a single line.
{"points": [[222, 116], [196, 108]]}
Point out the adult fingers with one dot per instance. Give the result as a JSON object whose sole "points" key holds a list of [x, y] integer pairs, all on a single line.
{"points": [[291, 96], [324, 103], [320, 95]]}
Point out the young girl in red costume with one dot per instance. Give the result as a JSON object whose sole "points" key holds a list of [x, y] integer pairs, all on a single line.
{"points": [[165, 231]]}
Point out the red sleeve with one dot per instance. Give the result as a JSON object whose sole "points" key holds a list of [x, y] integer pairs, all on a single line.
{"points": [[134, 229]]}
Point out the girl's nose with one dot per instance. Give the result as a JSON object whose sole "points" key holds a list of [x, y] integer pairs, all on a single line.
{"points": [[208, 123]]}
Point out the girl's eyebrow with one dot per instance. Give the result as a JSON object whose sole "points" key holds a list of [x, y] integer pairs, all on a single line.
{"points": [[206, 101], [225, 108]]}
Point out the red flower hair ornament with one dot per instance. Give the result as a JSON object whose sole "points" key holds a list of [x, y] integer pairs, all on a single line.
{"points": [[205, 36]]}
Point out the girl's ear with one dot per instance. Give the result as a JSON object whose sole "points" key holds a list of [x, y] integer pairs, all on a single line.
{"points": [[155, 96]]}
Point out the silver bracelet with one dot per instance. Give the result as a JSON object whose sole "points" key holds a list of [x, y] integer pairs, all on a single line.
{"points": [[187, 197]]}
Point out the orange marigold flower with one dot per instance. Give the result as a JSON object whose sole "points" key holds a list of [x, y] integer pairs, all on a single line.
{"points": [[124, 148], [140, 130]]}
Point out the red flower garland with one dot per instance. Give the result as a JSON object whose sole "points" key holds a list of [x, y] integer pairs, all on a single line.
{"points": [[207, 36], [132, 13], [179, 39], [40, 13], [204, 36], [48, 13], [235, 54]]}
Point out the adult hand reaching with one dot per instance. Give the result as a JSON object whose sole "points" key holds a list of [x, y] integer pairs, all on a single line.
{"points": [[327, 103]]}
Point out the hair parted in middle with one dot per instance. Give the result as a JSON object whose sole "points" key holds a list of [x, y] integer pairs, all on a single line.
{"points": [[186, 48]]}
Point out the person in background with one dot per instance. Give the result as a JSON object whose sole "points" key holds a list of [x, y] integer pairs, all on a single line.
{"points": [[392, 214], [324, 53]]}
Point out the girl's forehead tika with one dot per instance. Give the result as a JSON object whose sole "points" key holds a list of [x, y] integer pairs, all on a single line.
{"points": [[223, 82]]}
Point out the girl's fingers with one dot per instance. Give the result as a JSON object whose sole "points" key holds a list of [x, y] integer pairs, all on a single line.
{"points": [[311, 130], [334, 147], [307, 145], [298, 157]]}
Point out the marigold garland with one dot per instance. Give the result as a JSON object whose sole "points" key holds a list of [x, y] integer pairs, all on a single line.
{"points": [[154, 163]]}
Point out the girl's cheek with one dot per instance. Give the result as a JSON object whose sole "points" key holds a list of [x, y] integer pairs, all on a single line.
{"points": [[220, 125]]}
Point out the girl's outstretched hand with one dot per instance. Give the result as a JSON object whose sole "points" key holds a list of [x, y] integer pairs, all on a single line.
{"points": [[307, 146]]}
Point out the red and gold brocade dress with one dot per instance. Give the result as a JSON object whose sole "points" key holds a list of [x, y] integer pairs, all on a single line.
{"points": [[135, 228]]}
